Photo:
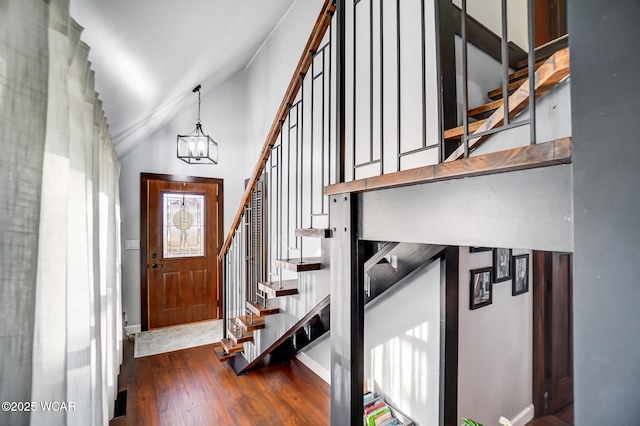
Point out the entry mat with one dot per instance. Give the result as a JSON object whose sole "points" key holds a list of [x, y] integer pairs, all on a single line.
{"points": [[171, 339]]}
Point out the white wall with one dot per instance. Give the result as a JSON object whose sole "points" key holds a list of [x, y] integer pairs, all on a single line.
{"points": [[484, 74], [489, 13], [402, 355], [495, 349], [270, 72], [223, 119]]}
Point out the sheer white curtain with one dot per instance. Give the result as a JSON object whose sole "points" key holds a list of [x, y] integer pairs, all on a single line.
{"points": [[60, 299]]}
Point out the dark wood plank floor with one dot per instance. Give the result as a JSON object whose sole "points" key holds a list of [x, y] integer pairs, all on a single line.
{"points": [[563, 417], [191, 387]]}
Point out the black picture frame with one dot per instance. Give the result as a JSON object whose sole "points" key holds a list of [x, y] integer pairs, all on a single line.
{"points": [[479, 249], [520, 282], [501, 264], [480, 288]]}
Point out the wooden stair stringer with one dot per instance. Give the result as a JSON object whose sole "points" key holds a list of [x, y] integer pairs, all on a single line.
{"points": [[554, 70], [457, 132], [478, 111]]}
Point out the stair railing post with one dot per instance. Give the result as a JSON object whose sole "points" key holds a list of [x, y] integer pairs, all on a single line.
{"points": [[340, 89], [347, 312], [465, 78], [531, 62], [505, 63]]}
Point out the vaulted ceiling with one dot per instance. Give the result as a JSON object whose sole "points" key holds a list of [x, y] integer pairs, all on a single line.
{"points": [[149, 54]]}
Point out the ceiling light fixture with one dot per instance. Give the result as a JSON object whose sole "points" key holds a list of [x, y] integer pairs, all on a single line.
{"points": [[196, 147]]}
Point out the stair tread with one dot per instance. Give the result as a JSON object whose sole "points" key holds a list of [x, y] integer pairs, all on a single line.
{"points": [[244, 321], [496, 94], [523, 72], [457, 132], [299, 265], [482, 109], [258, 308], [230, 347], [238, 338], [277, 289], [313, 232], [221, 354]]}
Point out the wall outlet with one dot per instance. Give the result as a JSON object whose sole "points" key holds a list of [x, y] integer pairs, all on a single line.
{"points": [[132, 245]]}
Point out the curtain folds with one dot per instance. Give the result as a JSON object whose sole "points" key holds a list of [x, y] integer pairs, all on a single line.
{"points": [[60, 298]]}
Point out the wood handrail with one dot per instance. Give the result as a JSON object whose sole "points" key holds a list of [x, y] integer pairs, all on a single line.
{"points": [[317, 34]]}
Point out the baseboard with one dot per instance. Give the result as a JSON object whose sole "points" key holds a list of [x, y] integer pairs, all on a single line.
{"points": [[314, 366], [524, 417], [132, 329]]}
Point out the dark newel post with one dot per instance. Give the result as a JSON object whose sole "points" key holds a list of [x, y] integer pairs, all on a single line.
{"points": [[340, 90], [445, 45], [347, 313], [449, 302]]}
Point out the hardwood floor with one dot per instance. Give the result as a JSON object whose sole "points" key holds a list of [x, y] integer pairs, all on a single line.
{"points": [[563, 417], [191, 387]]}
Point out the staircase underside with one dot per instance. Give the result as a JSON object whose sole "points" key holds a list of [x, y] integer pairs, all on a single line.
{"points": [[408, 257]]}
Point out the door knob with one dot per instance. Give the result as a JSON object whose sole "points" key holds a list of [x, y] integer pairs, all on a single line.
{"points": [[155, 265]]}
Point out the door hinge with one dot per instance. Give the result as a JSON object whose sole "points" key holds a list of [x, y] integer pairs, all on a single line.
{"points": [[547, 285], [217, 303]]}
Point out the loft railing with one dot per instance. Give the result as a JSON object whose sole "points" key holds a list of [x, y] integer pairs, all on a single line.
{"points": [[472, 137], [408, 74]]}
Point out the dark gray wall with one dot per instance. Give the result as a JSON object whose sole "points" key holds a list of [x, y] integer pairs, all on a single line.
{"points": [[521, 209], [605, 86]]}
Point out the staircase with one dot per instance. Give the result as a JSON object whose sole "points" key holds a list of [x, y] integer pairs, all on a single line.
{"points": [[548, 73], [263, 256], [310, 327], [389, 265], [276, 252]]}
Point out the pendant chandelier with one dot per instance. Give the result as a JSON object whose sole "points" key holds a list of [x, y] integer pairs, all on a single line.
{"points": [[196, 147]]}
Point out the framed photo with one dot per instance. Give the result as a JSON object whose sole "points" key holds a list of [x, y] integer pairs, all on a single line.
{"points": [[480, 288], [501, 264], [478, 249], [520, 282]]}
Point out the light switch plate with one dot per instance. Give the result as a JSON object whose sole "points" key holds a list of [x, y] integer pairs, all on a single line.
{"points": [[132, 245]]}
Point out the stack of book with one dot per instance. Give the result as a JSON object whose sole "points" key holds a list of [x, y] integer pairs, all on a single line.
{"points": [[377, 412]]}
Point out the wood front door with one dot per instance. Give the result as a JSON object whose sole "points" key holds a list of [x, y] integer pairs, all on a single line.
{"points": [[182, 226], [552, 332]]}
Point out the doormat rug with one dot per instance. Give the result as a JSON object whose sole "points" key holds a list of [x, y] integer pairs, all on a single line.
{"points": [[171, 339]]}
